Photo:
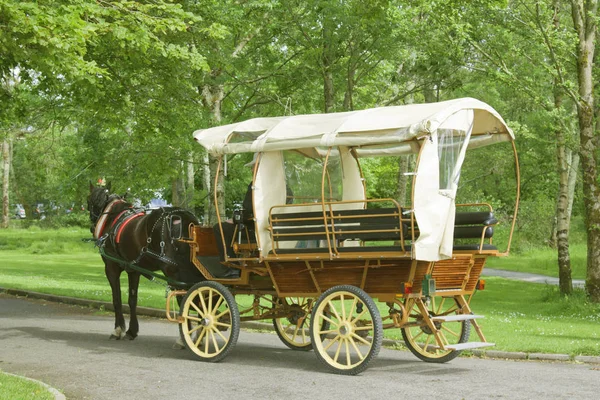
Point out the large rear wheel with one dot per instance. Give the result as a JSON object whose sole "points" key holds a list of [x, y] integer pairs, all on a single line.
{"points": [[210, 323], [353, 329]]}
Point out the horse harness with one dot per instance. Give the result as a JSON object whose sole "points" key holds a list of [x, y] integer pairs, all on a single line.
{"points": [[113, 234]]}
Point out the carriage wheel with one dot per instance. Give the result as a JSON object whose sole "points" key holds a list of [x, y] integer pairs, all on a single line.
{"points": [[294, 329], [355, 332], [211, 321], [419, 337]]}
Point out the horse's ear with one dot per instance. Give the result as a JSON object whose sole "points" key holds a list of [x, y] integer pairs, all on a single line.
{"points": [[108, 186], [91, 186]]}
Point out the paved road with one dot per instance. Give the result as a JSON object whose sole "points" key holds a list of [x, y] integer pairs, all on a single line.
{"points": [[68, 348], [527, 277]]}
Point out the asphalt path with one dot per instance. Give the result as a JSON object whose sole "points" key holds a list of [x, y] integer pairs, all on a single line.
{"points": [[68, 347]]}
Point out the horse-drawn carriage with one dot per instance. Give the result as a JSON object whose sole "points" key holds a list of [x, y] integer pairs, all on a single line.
{"points": [[318, 253]]}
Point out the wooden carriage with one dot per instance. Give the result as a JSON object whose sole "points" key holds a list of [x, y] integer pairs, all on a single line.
{"points": [[333, 268]]}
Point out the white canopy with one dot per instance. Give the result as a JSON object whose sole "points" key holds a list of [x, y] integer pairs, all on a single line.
{"points": [[451, 127], [374, 131]]}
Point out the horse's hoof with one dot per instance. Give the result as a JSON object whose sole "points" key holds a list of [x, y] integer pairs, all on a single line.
{"points": [[129, 336], [178, 345], [117, 333]]}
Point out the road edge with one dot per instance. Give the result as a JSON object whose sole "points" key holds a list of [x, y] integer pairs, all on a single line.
{"points": [[261, 326]]}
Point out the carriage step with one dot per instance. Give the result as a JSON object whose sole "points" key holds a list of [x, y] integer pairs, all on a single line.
{"points": [[458, 317], [469, 345]]}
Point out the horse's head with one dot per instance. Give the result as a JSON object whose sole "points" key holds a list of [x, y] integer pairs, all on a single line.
{"points": [[97, 200]]}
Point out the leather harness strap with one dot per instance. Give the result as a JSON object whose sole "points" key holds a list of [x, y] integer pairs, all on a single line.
{"points": [[124, 223]]}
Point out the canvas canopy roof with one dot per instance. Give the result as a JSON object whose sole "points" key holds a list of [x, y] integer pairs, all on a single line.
{"points": [[375, 131]]}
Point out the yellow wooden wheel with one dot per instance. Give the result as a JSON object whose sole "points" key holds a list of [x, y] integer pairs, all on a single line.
{"points": [[354, 333], [419, 336], [210, 321], [293, 330]]}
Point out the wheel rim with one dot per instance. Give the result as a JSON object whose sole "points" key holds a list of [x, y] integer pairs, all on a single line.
{"points": [[419, 336], [349, 338], [294, 329], [207, 326]]}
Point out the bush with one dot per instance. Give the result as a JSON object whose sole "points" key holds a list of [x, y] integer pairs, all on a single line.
{"points": [[79, 220]]}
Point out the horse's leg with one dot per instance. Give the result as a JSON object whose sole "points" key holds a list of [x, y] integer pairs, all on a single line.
{"points": [[113, 274], [178, 345], [134, 283]]}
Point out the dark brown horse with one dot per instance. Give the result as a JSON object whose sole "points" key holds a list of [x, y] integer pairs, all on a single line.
{"points": [[132, 238]]}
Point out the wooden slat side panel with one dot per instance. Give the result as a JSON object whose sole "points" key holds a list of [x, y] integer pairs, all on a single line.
{"points": [[452, 273], [292, 277], [388, 279]]}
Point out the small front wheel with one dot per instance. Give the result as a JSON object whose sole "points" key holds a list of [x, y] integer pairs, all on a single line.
{"points": [[293, 330], [353, 329], [210, 323]]}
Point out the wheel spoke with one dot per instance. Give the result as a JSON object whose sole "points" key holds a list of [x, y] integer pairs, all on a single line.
{"points": [[193, 318], [226, 311], [327, 331], [357, 350], [359, 316], [363, 328], [218, 323], [426, 345], [221, 298], [450, 331], [210, 298], [337, 352], [326, 318], [215, 343], [332, 308], [200, 313], [200, 338], [343, 307], [335, 339], [440, 306], [203, 303], [220, 334], [418, 334], [348, 360], [361, 339], [195, 329]]}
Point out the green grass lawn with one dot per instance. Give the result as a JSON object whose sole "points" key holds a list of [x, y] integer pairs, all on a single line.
{"points": [[543, 261], [519, 316], [14, 387]]}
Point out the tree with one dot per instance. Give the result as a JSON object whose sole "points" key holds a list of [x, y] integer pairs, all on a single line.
{"points": [[585, 13]]}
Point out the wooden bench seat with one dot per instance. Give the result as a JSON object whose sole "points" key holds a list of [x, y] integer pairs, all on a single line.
{"points": [[383, 225]]}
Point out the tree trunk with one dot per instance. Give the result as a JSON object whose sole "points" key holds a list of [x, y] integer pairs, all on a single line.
{"points": [[190, 189], [349, 95], [207, 183], [573, 172], [213, 97], [584, 20], [6, 162], [563, 217], [327, 61]]}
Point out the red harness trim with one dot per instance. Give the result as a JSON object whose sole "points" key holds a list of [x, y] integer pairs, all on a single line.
{"points": [[128, 220], [100, 225]]}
